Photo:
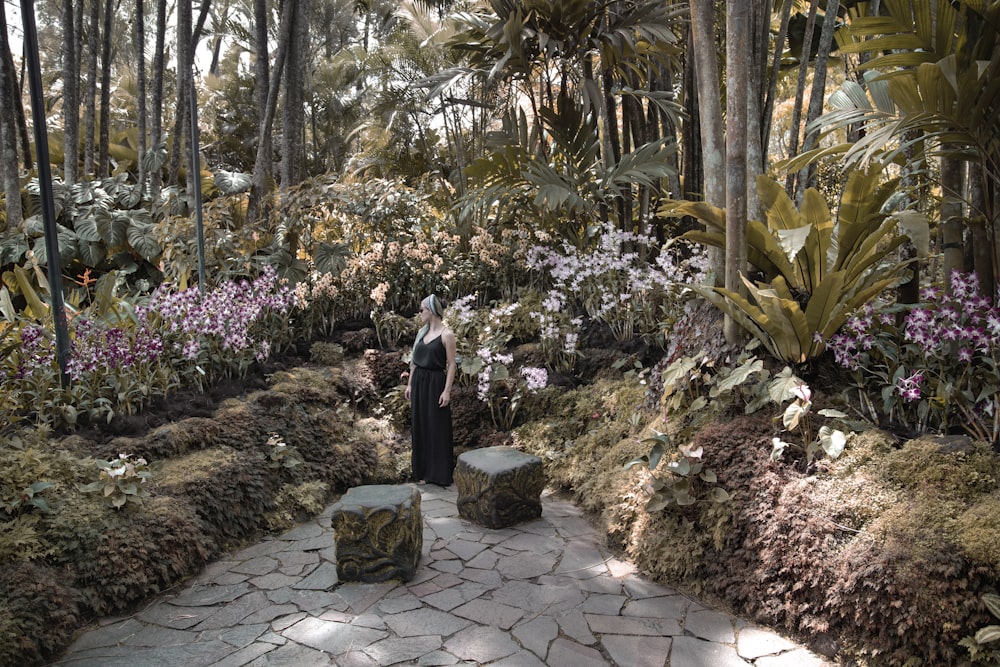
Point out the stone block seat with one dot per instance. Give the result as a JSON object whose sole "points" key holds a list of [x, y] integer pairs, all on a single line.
{"points": [[499, 486], [379, 532]]}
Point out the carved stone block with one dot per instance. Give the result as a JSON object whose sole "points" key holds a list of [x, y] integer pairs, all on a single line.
{"points": [[499, 486], [379, 533]]}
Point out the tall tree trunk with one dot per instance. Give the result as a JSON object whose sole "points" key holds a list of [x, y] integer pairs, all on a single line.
{"points": [[807, 176], [182, 110], [156, 103], [760, 30], [71, 96], [713, 141], [952, 217], [737, 74], [772, 84], [143, 112], [9, 178], [800, 93], [103, 154], [262, 167], [90, 103], [22, 121], [980, 224], [293, 118], [293, 137]]}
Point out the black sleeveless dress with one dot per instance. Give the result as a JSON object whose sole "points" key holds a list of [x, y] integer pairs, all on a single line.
{"points": [[431, 458]]}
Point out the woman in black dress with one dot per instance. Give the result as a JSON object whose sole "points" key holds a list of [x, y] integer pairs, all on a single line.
{"points": [[432, 371]]}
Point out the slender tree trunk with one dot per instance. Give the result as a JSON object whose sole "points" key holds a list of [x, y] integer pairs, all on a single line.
{"points": [[807, 176], [143, 112], [71, 96], [737, 65], [952, 218], [156, 103], [772, 84], [262, 167], [692, 140], [103, 154], [713, 141], [293, 113], [10, 177], [800, 94], [982, 243], [90, 104], [293, 137], [182, 110], [760, 26], [22, 121]]}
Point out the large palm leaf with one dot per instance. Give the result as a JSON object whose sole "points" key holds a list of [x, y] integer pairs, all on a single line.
{"points": [[933, 79]]}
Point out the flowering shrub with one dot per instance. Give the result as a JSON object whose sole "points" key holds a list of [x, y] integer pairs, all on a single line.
{"points": [[315, 312], [505, 394], [120, 480], [119, 363], [221, 331], [939, 371], [611, 282]]}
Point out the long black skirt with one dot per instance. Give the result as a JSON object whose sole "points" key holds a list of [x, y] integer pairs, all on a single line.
{"points": [[431, 458]]}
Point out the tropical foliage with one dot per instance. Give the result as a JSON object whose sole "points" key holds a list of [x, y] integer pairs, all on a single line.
{"points": [[815, 271]]}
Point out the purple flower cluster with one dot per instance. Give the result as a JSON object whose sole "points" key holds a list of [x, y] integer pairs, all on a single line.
{"points": [[37, 352], [225, 316], [964, 321], [98, 349], [948, 347]]}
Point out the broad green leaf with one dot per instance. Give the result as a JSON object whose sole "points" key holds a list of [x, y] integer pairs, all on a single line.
{"points": [[655, 455], [992, 602], [36, 307], [990, 633], [832, 441], [740, 375], [718, 495], [232, 182], [143, 240], [793, 240], [793, 415]]}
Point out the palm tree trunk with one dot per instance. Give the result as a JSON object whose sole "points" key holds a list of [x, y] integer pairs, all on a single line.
{"points": [[262, 168], [293, 118], [156, 101], [10, 178], [713, 142], [90, 105], [140, 55], [737, 66], [800, 93], [952, 218], [760, 26], [103, 155], [807, 175], [983, 260], [71, 96]]}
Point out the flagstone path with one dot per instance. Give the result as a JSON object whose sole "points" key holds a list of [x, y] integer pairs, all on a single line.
{"points": [[544, 592]]}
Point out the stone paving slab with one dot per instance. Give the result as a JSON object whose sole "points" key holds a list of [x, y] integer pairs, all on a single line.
{"points": [[545, 592]]}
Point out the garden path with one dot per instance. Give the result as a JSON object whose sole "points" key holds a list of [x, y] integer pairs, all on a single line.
{"points": [[543, 592]]}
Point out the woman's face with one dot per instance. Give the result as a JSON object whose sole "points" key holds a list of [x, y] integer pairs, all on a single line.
{"points": [[425, 314]]}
